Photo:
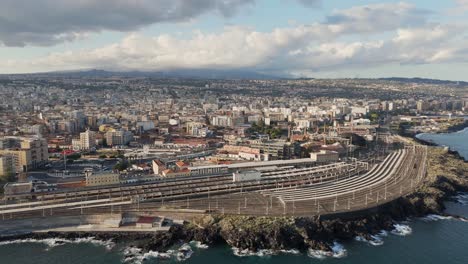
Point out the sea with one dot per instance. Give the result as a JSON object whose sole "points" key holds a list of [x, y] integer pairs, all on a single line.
{"points": [[457, 141], [430, 240]]}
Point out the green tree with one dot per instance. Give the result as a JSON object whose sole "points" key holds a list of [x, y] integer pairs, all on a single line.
{"points": [[120, 166]]}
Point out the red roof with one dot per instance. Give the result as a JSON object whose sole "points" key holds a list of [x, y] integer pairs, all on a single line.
{"points": [[182, 164], [145, 220]]}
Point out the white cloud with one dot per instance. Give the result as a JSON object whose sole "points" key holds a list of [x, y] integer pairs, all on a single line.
{"points": [[463, 4], [381, 17], [334, 44], [310, 3]]}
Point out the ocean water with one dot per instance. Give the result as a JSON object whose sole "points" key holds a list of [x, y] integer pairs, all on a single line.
{"points": [[433, 239], [457, 141], [429, 240]]}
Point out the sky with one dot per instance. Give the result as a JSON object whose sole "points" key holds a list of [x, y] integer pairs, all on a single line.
{"points": [[297, 38]]}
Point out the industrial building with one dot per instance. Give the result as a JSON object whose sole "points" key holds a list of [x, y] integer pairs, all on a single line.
{"points": [[252, 175], [324, 156], [99, 179]]}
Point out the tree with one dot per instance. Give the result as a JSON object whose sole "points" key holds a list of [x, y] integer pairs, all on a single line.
{"points": [[74, 156], [120, 166], [8, 177]]}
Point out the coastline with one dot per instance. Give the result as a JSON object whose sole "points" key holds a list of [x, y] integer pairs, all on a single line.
{"points": [[457, 128], [446, 177]]}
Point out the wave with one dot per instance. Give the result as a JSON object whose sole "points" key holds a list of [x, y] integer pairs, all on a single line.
{"points": [[375, 240], [401, 230], [262, 252], [383, 233], [290, 251], [136, 255], [184, 252], [53, 242], [462, 198], [249, 253], [434, 217], [337, 251], [198, 244]]}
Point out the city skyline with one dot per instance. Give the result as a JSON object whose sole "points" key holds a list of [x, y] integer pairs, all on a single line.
{"points": [[296, 38]]}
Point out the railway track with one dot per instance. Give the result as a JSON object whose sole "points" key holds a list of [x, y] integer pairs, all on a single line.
{"points": [[182, 189], [302, 192]]}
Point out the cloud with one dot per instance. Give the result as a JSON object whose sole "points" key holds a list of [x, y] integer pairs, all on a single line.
{"points": [[47, 22], [334, 44], [463, 4], [382, 17], [310, 3]]}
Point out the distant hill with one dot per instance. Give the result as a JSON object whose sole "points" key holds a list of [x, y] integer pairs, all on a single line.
{"points": [[424, 80], [186, 73], [215, 74]]}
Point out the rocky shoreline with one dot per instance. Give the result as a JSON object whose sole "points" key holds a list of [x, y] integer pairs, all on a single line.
{"points": [[447, 176]]}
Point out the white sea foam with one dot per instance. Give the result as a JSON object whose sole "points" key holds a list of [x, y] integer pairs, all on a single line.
{"points": [[53, 242], [434, 217], [263, 252], [248, 253], [401, 230], [383, 233], [375, 240], [136, 255], [290, 251], [198, 244], [338, 251], [184, 252]]}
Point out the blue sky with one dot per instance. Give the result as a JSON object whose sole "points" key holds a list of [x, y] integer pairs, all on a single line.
{"points": [[328, 38]]}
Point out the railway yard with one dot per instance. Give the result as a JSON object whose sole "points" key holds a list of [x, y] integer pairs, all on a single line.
{"points": [[290, 190]]}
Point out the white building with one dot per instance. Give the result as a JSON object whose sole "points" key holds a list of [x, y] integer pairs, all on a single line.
{"points": [[246, 176], [302, 123], [324, 156], [222, 121], [118, 137], [87, 140]]}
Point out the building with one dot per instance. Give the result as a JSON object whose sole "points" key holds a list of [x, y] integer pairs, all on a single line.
{"points": [[251, 175], [324, 156], [168, 173], [149, 222], [182, 165], [279, 149], [303, 123], [76, 143], [208, 170], [21, 158], [196, 129], [87, 140], [100, 179], [158, 167], [118, 137], [39, 150], [9, 142], [17, 188], [222, 121], [7, 166], [422, 106]]}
